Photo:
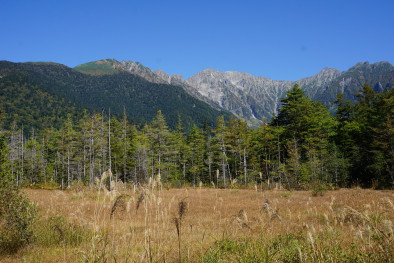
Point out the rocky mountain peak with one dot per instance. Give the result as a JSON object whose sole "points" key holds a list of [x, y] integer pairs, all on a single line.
{"points": [[162, 76], [178, 77], [208, 71], [329, 71]]}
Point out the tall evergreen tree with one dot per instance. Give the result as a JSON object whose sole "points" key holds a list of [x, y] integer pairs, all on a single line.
{"points": [[220, 142], [159, 135], [196, 144]]}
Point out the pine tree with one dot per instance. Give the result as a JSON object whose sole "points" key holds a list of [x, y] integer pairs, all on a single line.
{"points": [[196, 146], [181, 152], [382, 146], [159, 135], [220, 142]]}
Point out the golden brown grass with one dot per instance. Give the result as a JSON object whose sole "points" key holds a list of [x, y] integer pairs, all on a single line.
{"points": [[119, 231]]}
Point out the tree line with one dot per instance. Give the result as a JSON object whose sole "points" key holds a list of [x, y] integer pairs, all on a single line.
{"points": [[301, 145]]}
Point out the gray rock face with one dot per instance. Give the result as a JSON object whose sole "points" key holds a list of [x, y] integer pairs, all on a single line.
{"points": [[251, 97], [157, 76]]}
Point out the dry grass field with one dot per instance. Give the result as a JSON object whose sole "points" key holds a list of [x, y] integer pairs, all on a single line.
{"points": [[214, 225]]}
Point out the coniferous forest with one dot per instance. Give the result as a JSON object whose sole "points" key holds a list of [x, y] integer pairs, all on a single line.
{"points": [[303, 145]]}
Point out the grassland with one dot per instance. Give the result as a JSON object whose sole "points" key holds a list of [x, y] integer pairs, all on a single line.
{"points": [[215, 225]]}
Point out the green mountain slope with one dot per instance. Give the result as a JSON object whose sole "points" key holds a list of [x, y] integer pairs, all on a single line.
{"points": [[101, 67], [70, 91], [26, 102]]}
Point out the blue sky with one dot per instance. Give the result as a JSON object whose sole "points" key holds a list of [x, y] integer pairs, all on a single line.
{"points": [[282, 40]]}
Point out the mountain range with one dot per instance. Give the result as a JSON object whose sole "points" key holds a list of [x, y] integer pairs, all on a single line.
{"points": [[42, 94], [255, 98]]}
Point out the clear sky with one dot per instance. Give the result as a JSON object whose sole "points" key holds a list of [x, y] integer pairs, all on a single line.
{"points": [[282, 40]]}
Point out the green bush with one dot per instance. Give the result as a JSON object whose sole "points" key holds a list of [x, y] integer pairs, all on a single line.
{"points": [[318, 188], [17, 216]]}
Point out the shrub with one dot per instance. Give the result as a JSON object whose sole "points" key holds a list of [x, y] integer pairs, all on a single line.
{"points": [[17, 216], [286, 194], [318, 188]]}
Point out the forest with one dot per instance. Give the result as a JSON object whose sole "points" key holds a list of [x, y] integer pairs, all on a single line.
{"points": [[303, 145]]}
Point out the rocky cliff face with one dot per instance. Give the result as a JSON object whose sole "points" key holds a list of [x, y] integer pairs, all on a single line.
{"points": [[157, 76], [252, 97]]}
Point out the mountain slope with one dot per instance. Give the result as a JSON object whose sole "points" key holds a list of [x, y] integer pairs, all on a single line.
{"points": [[101, 67], [110, 66], [26, 102], [116, 89], [379, 76]]}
